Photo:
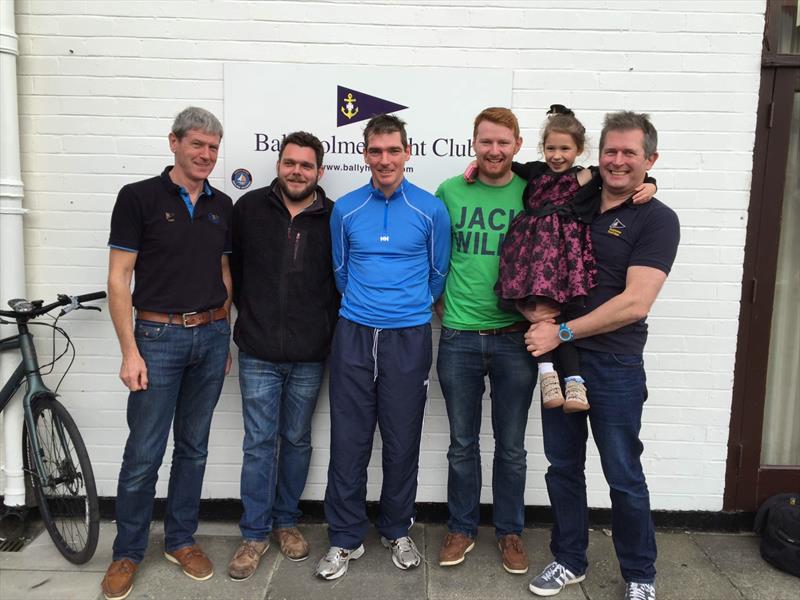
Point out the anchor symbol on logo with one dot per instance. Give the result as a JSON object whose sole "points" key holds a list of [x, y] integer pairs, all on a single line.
{"points": [[349, 104]]}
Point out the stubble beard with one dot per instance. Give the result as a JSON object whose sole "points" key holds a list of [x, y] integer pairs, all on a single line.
{"points": [[300, 196]]}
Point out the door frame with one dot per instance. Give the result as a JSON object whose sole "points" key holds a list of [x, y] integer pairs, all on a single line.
{"points": [[747, 481]]}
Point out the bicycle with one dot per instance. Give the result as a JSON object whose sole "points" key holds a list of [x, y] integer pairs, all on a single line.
{"points": [[54, 455]]}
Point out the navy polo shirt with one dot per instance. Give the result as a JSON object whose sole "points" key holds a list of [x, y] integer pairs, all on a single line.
{"points": [[628, 235], [179, 252]]}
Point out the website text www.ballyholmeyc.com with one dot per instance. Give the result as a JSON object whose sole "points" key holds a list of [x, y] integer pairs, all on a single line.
{"points": [[356, 168]]}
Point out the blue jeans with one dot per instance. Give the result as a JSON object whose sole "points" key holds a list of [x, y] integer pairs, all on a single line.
{"points": [[185, 369], [617, 391], [278, 400], [465, 358]]}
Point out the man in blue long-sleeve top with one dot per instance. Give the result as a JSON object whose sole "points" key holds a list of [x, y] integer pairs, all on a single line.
{"points": [[391, 250]]}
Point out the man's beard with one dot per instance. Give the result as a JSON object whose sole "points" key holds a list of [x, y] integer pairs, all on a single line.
{"points": [[297, 196]]}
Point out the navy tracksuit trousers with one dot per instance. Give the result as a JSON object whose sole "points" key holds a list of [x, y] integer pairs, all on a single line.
{"points": [[376, 376]]}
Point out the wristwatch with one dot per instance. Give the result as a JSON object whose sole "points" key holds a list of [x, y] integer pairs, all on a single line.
{"points": [[565, 334]]}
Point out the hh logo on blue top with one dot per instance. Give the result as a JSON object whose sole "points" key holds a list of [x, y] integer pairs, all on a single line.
{"points": [[353, 106]]}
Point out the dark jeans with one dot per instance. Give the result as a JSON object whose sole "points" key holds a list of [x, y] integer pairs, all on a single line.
{"points": [[617, 392], [278, 401], [465, 358], [185, 369]]}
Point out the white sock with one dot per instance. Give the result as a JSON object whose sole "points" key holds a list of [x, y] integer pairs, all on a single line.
{"points": [[545, 367]]}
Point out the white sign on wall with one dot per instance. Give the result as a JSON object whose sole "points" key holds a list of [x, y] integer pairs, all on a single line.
{"points": [[265, 102]]}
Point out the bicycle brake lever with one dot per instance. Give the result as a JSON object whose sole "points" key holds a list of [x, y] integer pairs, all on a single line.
{"points": [[97, 308]]}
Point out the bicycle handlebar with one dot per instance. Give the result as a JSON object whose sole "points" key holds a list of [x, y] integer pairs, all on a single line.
{"points": [[29, 310], [89, 297]]}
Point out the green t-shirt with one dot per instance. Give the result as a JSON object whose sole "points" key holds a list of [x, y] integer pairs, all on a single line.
{"points": [[480, 215]]}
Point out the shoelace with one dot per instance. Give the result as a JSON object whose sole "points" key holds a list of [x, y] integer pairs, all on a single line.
{"points": [[192, 553], [247, 548], [639, 591], [124, 566], [336, 554], [404, 544], [555, 571], [291, 536], [513, 541]]}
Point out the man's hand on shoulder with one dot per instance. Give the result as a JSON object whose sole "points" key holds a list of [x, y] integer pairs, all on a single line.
{"points": [[133, 372]]}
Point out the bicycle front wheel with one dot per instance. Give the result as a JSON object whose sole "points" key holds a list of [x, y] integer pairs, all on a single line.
{"points": [[65, 489]]}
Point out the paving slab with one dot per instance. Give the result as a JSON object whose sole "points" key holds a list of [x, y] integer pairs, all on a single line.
{"points": [[49, 585], [691, 566], [481, 575], [159, 579], [42, 555], [371, 576], [738, 558], [684, 571]]}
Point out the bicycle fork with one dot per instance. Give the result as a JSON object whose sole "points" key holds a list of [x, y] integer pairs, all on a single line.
{"points": [[17, 411]]}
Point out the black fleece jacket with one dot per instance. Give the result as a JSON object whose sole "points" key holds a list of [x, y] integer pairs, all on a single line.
{"points": [[283, 283]]}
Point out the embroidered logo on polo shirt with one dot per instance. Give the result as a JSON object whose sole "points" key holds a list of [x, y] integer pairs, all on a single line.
{"points": [[214, 218], [616, 228], [170, 217]]}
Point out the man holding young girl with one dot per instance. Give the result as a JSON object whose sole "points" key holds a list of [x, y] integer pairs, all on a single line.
{"points": [[634, 246]]}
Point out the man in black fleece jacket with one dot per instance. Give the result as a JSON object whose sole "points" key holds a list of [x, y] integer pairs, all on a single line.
{"points": [[287, 302]]}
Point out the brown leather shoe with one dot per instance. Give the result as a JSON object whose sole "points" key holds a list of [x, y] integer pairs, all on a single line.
{"points": [[454, 549], [193, 561], [515, 559], [293, 544], [245, 562], [118, 582]]}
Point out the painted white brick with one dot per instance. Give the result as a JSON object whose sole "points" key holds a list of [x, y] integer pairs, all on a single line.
{"points": [[99, 83]]}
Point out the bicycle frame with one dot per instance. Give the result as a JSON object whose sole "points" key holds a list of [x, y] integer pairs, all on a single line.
{"points": [[28, 369]]}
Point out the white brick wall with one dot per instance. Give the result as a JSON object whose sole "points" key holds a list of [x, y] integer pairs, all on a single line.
{"points": [[99, 83]]}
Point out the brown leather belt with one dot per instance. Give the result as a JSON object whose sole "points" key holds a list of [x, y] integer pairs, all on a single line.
{"points": [[190, 319], [514, 327]]}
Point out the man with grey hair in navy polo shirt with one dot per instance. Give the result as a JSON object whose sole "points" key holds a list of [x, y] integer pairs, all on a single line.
{"points": [[635, 246], [173, 232]]}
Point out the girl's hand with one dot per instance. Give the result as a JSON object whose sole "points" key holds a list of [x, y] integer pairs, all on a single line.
{"points": [[471, 172], [644, 193]]}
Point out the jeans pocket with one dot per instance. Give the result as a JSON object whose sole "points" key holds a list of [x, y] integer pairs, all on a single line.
{"points": [[149, 331], [448, 334], [222, 326], [628, 360]]}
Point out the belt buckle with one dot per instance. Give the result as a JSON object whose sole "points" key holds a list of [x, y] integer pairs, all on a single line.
{"points": [[189, 314], [487, 331]]}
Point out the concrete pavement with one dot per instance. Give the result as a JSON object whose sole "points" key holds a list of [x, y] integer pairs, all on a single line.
{"points": [[691, 566]]}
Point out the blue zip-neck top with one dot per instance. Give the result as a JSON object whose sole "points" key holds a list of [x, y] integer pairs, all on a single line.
{"points": [[390, 255]]}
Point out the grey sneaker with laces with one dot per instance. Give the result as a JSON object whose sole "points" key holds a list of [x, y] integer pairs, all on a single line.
{"points": [[404, 552], [640, 591], [334, 564], [553, 579]]}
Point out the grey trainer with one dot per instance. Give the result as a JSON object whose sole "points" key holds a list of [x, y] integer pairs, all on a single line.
{"points": [[334, 564], [404, 552], [553, 579], [640, 591]]}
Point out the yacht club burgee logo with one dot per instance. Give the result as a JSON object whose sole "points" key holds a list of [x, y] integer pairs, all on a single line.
{"points": [[353, 106]]}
